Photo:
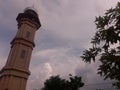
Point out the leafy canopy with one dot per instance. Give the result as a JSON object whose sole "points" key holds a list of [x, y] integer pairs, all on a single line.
{"points": [[57, 83], [106, 45]]}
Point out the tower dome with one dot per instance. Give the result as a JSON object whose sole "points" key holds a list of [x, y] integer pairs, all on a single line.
{"points": [[31, 10], [31, 14]]}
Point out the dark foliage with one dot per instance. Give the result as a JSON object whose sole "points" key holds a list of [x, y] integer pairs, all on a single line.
{"points": [[106, 45], [57, 83]]}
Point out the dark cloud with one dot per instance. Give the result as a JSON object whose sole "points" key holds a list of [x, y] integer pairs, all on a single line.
{"points": [[6, 35], [48, 40]]}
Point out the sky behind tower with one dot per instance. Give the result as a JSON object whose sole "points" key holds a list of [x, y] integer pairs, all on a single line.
{"points": [[67, 28]]}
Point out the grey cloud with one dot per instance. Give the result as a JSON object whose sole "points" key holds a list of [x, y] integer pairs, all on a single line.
{"points": [[51, 4], [70, 26], [91, 79]]}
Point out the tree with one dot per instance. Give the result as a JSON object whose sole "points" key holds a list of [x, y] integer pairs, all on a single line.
{"points": [[57, 83], [106, 45]]}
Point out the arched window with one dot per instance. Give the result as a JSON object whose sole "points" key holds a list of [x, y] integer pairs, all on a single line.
{"points": [[27, 34], [22, 54]]}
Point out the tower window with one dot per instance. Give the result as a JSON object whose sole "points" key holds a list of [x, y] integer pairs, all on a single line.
{"points": [[22, 55], [27, 34]]}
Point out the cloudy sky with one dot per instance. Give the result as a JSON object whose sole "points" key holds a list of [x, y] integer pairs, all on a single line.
{"points": [[67, 28]]}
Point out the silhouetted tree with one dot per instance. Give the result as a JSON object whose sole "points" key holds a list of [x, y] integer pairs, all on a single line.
{"points": [[106, 44], [57, 83]]}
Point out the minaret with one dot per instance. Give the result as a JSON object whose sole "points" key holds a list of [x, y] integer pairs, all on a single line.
{"points": [[14, 74]]}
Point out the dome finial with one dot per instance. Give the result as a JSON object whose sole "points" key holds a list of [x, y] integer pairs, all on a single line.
{"points": [[31, 8]]}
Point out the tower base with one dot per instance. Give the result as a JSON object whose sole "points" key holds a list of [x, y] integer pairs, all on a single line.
{"points": [[10, 78]]}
